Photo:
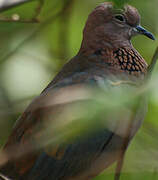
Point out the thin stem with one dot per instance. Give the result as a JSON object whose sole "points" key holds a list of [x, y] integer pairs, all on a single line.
{"points": [[17, 19], [14, 4], [11, 20], [38, 9], [123, 151], [34, 33], [152, 64], [127, 139]]}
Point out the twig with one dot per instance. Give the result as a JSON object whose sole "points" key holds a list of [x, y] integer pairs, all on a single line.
{"points": [[38, 9], [152, 64], [124, 146], [16, 18], [14, 4], [34, 33], [3, 177], [127, 138], [62, 52]]}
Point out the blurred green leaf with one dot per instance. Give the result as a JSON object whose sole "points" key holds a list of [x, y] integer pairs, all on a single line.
{"points": [[119, 3]]}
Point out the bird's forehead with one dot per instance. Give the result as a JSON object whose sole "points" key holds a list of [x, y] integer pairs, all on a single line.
{"points": [[132, 15], [106, 9]]}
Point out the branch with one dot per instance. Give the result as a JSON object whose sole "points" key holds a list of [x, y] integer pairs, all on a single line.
{"points": [[39, 8], [11, 5], [4, 177], [16, 17], [127, 138], [152, 64], [34, 33], [124, 147]]}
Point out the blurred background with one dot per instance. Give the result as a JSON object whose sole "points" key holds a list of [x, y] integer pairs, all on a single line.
{"points": [[31, 54]]}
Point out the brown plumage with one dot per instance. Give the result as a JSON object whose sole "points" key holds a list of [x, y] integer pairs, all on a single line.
{"points": [[106, 53]]}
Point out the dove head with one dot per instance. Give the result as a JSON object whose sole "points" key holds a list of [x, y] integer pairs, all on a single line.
{"points": [[108, 27]]}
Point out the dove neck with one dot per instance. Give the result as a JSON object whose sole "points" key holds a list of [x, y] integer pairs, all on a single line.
{"points": [[113, 43]]}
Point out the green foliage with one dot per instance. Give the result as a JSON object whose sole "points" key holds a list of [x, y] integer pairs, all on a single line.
{"points": [[29, 61], [119, 3]]}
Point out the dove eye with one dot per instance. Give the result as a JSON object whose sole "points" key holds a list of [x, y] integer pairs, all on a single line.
{"points": [[120, 18]]}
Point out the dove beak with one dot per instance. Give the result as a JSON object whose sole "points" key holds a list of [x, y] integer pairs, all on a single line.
{"points": [[140, 30]]}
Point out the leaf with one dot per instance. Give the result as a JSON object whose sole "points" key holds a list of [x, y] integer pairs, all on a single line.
{"points": [[119, 3]]}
